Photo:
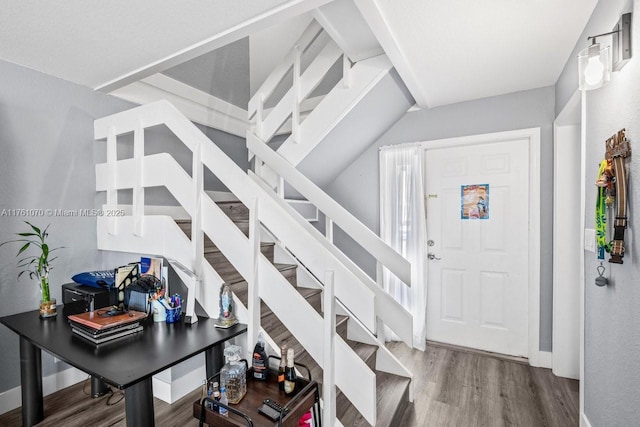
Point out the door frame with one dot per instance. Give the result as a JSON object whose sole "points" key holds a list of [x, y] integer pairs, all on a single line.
{"points": [[570, 118], [532, 135]]}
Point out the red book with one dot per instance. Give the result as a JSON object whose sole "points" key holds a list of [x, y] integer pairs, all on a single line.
{"points": [[100, 320]]}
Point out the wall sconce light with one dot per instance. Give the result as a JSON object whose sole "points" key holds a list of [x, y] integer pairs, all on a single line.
{"points": [[594, 62]]}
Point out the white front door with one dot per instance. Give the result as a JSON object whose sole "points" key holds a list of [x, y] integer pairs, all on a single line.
{"points": [[478, 288]]}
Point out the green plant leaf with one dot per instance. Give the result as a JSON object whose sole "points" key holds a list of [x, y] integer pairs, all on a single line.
{"points": [[24, 248], [45, 250], [26, 234], [36, 229]]}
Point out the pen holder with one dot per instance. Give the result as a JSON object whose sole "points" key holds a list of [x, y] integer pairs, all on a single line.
{"points": [[173, 314]]}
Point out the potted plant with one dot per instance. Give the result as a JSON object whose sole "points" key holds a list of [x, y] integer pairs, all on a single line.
{"points": [[38, 264]]}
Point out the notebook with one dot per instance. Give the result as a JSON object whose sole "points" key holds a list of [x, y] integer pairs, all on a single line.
{"points": [[100, 320]]}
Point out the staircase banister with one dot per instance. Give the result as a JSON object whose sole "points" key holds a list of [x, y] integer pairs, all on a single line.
{"points": [[354, 291], [309, 80], [151, 114], [181, 181], [392, 313], [270, 84], [366, 238]]}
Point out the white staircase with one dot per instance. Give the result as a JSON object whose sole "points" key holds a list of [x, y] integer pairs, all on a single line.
{"points": [[367, 305], [348, 291], [315, 135]]}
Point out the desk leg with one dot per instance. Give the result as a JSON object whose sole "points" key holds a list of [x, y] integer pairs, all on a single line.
{"points": [[138, 403], [98, 387], [214, 359], [31, 380]]}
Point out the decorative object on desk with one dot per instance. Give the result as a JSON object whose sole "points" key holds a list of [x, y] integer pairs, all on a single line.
{"points": [[259, 360], [173, 314], [233, 375], [39, 265], [227, 317], [172, 307], [124, 276]]}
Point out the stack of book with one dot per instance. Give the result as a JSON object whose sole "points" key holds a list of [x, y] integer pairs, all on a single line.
{"points": [[101, 326]]}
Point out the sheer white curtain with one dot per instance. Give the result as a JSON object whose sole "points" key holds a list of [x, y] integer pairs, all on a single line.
{"points": [[403, 227]]}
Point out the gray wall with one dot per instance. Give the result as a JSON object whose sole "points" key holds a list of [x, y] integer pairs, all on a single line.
{"points": [[47, 162], [223, 73], [612, 315], [357, 187]]}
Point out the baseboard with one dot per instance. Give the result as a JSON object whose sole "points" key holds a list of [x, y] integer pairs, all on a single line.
{"points": [[12, 399], [541, 359], [545, 359], [179, 387], [584, 421]]}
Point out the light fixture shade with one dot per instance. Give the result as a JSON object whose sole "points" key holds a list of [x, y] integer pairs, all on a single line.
{"points": [[594, 66]]}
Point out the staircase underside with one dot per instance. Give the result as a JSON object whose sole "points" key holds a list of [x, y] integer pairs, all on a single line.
{"points": [[392, 390]]}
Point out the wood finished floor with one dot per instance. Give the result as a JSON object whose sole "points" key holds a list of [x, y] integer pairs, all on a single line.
{"points": [[458, 388], [452, 388]]}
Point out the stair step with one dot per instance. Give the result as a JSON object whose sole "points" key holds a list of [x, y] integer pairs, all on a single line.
{"points": [[234, 210], [366, 352], [392, 393], [231, 276], [185, 225], [281, 335], [312, 295]]}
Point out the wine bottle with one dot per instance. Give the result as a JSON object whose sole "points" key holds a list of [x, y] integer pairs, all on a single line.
{"points": [[282, 367], [290, 374], [259, 361]]}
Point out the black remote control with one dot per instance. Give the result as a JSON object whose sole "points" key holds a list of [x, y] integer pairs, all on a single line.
{"points": [[271, 409]]}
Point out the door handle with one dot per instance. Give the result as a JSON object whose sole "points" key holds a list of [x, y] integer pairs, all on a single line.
{"points": [[432, 256]]}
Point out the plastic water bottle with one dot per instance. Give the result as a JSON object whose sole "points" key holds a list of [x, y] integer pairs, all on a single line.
{"points": [[223, 399]]}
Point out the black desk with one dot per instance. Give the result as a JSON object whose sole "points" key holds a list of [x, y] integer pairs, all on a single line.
{"points": [[127, 363]]}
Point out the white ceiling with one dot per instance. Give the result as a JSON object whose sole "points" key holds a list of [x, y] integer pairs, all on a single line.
{"points": [[458, 50], [445, 51]]}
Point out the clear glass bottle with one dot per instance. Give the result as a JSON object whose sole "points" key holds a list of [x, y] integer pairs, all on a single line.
{"points": [[224, 400], [233, 375]]}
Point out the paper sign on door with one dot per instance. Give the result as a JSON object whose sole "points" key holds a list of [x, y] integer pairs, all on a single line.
{"points": [[474, 201]]}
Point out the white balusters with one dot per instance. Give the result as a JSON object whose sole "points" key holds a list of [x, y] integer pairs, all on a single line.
{"points": [[346, 71], [328, 225], [329, 344], [197, 236], [295, 113], [112, 189], [253, 301], [138, 185]]}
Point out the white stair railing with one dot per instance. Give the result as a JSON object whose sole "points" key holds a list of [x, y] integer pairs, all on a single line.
{"points": [[392, 313], [352, 375], [303, 84]]}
